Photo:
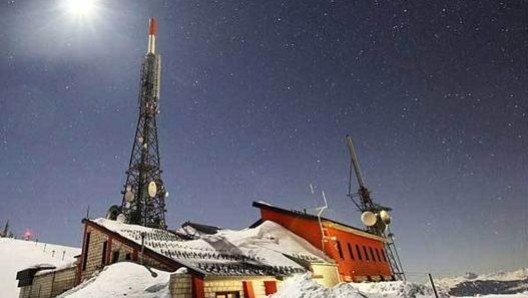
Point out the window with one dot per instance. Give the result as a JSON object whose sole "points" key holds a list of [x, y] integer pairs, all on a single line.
{"points": [[86, 245], [128, 257], [366, 253], [383, 254], [227, 295], [378, 254], [350, 251], [359, 253], [339, 250], [372, 254], [103, 257], [115, 256]]}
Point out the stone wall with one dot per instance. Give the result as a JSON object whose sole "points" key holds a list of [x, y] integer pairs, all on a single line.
{"points": [[25, 292], [41, 286], [50, 284], [213, 285], [180, 286], [63, 281], [95, 254]]}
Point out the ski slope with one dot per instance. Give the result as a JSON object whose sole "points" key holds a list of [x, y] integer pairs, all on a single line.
{"points": [[16, 255]]}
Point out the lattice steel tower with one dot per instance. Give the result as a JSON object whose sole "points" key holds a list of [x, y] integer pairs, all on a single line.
{"points": [[144, 193]]}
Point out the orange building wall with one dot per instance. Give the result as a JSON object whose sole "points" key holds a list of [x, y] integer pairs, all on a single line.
{"points": [[349, 269]]}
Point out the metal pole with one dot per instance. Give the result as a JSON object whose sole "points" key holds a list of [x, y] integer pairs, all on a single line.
{"points": [[142, 247], [432, 284]]}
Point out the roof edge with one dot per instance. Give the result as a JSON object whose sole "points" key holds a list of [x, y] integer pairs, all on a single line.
{"points": [[327, 222]]}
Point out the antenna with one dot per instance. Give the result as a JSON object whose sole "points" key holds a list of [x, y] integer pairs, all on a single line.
{"points": [[321, 210], [375, 217], [144, 194]]}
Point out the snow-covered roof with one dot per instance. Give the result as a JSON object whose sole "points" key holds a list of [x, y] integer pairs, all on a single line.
{"points": [[325, 221], [268, 249]]}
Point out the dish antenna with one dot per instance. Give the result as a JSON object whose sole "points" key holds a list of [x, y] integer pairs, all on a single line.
{"points": [[152, 189], [385, 217], [369, 218], [121, 218], [129, 196]]}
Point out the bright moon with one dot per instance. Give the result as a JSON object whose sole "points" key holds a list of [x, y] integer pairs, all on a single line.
{"points": [[80, 8]]}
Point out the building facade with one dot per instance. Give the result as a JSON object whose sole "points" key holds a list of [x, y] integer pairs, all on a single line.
{"points": [[219, 264], [360, 256]]}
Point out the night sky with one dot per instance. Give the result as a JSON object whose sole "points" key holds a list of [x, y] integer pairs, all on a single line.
{"points": [[256, 100]]}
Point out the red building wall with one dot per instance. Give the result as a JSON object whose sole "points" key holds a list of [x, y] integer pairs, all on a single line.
{"points": [[349, 268]]}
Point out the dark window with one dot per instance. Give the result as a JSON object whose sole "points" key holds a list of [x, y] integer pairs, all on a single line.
{"points": [[350, 251], [128, 257], [103, 257], [359, 253], [383, 254], [378, 254], [372, 254], [338, 245], [227, 295], [86, 245], [115, 256], [366, 253]]}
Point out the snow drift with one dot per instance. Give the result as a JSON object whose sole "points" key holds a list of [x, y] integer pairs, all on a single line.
{"points": [[303, 286], [124, 280]]}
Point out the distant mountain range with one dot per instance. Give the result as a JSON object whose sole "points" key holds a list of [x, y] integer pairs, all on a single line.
{"points": [[495, 283]]}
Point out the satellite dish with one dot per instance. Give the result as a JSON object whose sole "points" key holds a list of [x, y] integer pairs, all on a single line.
{"points": [[121, 218], [385, 217], [368, 218], [166, 194], [112, 212], [127, 205], [129, 196], [152, 189], [140, 139]]}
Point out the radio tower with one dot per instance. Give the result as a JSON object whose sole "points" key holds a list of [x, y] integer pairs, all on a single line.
{"points": [[375, 217], [144, 193]]}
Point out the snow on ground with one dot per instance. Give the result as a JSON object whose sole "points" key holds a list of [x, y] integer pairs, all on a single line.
{"points": [[123, 279], [301, 286], [16, 255]]}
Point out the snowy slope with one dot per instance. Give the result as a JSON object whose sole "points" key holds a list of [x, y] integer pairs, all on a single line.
{"points": [[495, 283], [124, 280], [301, 286], [16, 255]]}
